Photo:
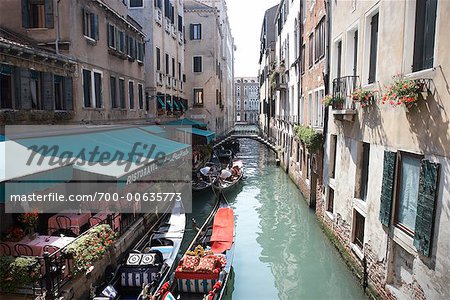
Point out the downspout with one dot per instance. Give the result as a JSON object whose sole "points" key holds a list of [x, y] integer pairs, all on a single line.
{"points": [[57, 27], [326, 75]]}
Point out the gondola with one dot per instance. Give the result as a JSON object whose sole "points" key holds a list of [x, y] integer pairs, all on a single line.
{"points": [[150, 261], [225, 156], [205, 269], [229, 178], [232, 145], [203, 179]]}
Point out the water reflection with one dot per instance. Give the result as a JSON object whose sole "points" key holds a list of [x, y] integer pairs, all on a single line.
{"points": [[281, 252]]}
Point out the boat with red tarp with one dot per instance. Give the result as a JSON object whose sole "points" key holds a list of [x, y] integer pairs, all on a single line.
{"points": [[205, 269]]}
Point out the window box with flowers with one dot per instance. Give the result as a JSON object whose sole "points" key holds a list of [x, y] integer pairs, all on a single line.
{"points": [[404, 92], [363, 97], [336, 102], [89, 248], [312, 139]]}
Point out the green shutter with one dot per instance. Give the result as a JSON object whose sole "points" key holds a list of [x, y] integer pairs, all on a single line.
{"points": [[25, 14], [68, 93], [428, 190], [49, 22], [96, 30], [387, 187]]}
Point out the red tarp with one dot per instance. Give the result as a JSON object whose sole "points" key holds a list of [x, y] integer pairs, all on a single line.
{"points": [[223, 230]]}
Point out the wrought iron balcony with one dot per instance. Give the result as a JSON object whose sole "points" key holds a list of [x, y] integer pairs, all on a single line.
{"points": [[343, 88]]}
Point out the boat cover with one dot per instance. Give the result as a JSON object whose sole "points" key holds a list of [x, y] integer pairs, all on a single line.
{"points": [[223, 230]]}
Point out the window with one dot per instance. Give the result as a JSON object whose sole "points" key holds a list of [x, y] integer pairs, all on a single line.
{"points": [[131, 93], [308, 166], [320, 40], [36, 90], [173, 67], [87, 87], [318, 108], [180, 23], [121, 41], [140, 96], [167, 64], [373, 48], [158, 4], [111, 36], [90, 25], [196, 31], [197, 64], [112, 90], [408, 191], [58, 85], [122, 92], [298, 153], [131, 47], [339, 59], [37, 14], [303, 59], [330, 203], [333, 152], [310, 109], [362, 171], [355, 53], [98, 89], [424, 36], [358, 238], [179, 71], [140, 52], [311, 48], [198, 97], [136, 3], [158, 59], [6, 87]]}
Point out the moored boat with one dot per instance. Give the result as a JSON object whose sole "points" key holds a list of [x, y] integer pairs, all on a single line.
{"points": [[229, 178], [205, 269], [151, 259]]}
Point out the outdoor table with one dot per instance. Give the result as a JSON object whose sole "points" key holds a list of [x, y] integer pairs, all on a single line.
{"points": [[37, 244], [77, 221]]}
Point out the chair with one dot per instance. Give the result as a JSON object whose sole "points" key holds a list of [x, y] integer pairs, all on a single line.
{"points": [[94, 221], [23, 249], [64, 226], [5, 249], [50, 249]]}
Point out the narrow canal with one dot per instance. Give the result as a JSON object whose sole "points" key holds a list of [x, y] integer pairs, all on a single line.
{"points": [[281, 252]]}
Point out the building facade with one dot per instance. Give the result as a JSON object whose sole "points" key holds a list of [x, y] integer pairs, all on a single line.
{"points": [[266, 68], [105, 43], [247, 100], [163, 26], [209, 65], [299, 82], [387, 161]]}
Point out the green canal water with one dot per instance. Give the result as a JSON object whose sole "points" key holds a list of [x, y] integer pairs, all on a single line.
{"points": [[281, 252]]}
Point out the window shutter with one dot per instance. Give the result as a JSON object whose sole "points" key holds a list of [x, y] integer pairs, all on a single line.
{"points": [[96, 32], [387, 187], [49, 22], [428, 189], [373, 48], [108, 34], [430, 28], [68, 93], [191, 31], [25, 94], [48, 94], [25, 14]]}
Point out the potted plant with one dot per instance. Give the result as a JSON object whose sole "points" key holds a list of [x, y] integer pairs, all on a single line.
{"points": [[29, 221], [363, 97], [402, 92], [335, 101]]}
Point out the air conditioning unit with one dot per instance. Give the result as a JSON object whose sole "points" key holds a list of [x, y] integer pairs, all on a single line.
{"points": [[158, 16]]}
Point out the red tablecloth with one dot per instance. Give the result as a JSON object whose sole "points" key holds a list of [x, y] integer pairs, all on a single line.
{"points": [[37, 245], [77, 220]]}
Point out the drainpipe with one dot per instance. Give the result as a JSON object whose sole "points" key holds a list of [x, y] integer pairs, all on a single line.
{"points": [[57, 27]]}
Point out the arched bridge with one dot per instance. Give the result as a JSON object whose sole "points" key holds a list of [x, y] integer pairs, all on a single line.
{"points": [[249, 132]]}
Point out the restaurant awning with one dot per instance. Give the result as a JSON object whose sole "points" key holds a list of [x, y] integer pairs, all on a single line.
{"points": [[177, 106], [19, 175], [187, 122], [133, 143], [182, 105], [161, 102], [155, 129], [209, 135]]}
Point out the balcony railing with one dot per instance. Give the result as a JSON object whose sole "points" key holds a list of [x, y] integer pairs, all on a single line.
{"points": [[343, 88]]}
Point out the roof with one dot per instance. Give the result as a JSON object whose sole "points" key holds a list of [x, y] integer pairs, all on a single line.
{"points": [[186, 122]]}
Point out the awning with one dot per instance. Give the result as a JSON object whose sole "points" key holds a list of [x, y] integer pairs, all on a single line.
{"points": [[182, 105], [19, 176], [209, 135], [223, 230], [161, 102], [121, 141], [187, 122], [177, 106], [169, 103]]}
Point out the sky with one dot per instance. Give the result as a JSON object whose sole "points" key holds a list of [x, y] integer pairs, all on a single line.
{"points": [[246, 18]]}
